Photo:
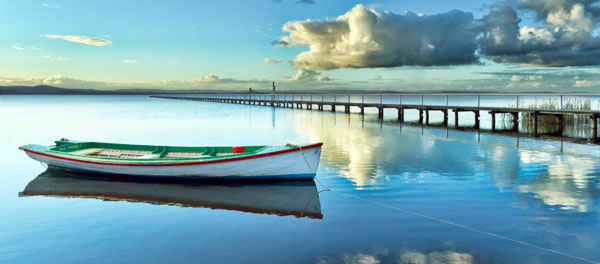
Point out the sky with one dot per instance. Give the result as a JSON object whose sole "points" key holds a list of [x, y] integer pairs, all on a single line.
{"points": [[426, 45]]}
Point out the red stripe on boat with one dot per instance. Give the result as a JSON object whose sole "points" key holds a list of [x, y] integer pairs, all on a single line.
{"points": [[180, 163]]}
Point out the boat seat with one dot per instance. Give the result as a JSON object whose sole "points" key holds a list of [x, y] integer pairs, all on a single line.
{"points": [[149, 156], [89, 151], [109, 153]]}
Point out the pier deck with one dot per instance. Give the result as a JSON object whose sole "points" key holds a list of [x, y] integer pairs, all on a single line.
{"points": [[423, 109]]}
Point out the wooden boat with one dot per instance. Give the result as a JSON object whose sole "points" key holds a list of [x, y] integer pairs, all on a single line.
{"points": [[248, 162], [297, 198]]}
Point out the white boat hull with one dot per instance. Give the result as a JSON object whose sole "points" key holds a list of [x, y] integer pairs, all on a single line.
{"points": [[301, 164]]}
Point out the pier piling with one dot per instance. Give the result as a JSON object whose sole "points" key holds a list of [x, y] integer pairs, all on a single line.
{"points": [[401, 114], [298, 101], [455, 117]]}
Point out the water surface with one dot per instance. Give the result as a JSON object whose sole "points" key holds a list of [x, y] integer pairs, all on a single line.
{"points": [[385, 178]]}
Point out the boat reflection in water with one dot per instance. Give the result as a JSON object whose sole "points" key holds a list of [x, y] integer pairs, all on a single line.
{"points": [[298, 198]]}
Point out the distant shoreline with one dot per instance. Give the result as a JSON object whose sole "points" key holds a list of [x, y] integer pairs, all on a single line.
{"points": [[51, 90]]}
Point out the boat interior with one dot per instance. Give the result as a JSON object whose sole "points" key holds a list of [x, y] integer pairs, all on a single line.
{"points": [[127, 151]]}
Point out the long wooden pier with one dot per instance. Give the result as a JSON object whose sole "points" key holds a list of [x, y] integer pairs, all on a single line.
{"points": [[423, 109]]}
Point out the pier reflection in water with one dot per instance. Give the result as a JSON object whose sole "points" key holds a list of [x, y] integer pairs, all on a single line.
{"points": [[542, 190], [558, 172], [298, 198]]}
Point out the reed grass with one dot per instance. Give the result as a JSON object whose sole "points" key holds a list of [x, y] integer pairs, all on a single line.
{"points": [[573, 104]]}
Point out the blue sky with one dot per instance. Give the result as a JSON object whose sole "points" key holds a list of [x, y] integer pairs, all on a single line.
{"points": [[228, 45]]}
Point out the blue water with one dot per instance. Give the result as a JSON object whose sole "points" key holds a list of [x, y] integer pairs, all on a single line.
{"points": [[401, 193]]}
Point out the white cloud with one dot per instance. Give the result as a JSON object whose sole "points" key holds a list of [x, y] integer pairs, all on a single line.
{"points": [[36, 48], [56, 58], [50, 5], [564, 13], [567, 35], [210, 78], [56, 80], [210, 81], [586, 83], [272, 61], [81, 39], [17, 47], [531, 34], [131, 61], [520, 78], [303, 76], [364, 38], [61, 80]]}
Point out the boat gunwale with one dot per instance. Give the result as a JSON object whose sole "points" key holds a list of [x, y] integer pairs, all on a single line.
{"points": [[59, 153], [175, 162], [121, 146]]}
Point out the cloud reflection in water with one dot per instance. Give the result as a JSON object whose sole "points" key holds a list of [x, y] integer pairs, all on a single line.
{"points": [[371, 154]]}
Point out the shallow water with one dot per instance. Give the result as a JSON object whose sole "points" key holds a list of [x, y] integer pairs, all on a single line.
{"points": [[398, 190]]}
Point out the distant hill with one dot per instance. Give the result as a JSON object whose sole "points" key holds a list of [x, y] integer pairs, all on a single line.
{"points": [[42, 89]]}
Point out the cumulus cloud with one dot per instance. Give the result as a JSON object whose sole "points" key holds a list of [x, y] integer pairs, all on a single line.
{"points": [[365, 38], [303, 76], [586, 83], [565, 39], [60, 80], [81, 39], [17, 47], [520, 78], [578, 13], [210, 81], [131, 61], [272, 61], [210, 78], [56, 80]]}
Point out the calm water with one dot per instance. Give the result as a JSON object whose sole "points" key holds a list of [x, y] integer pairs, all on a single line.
{"points": [[390, 183]]}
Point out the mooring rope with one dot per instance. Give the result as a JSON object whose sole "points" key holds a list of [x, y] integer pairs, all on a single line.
{"points": [[306, 160], [458, 225]]}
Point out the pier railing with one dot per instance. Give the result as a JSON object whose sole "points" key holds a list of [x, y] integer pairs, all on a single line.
{"points": [[552, 104], [515, 100]]}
